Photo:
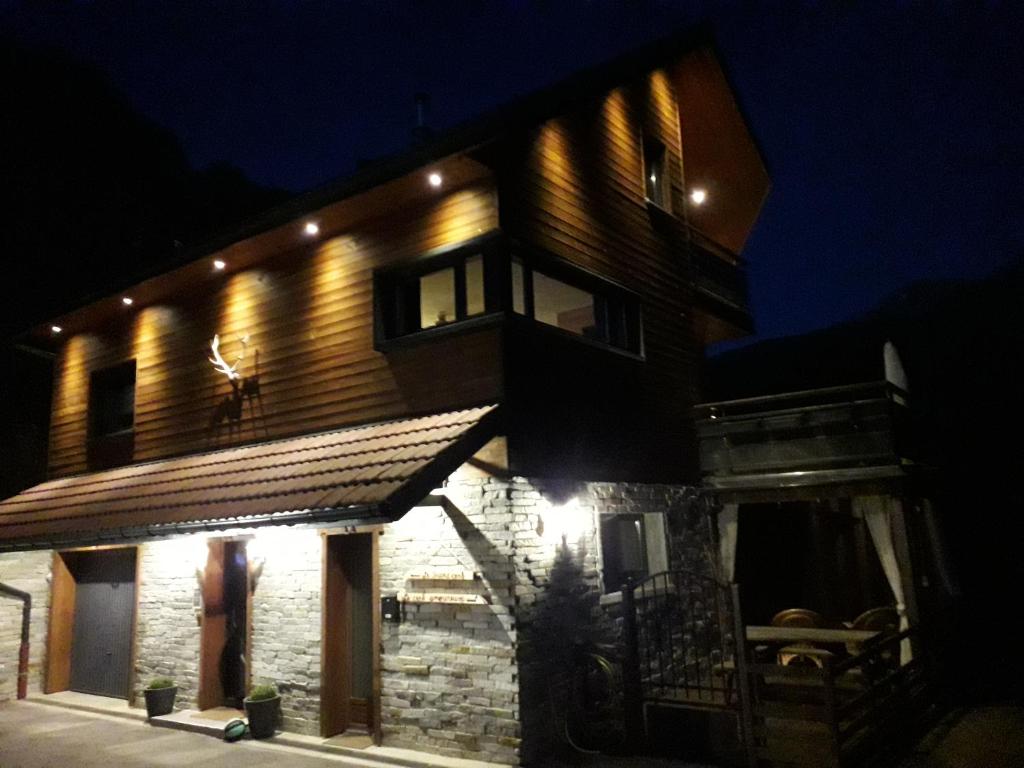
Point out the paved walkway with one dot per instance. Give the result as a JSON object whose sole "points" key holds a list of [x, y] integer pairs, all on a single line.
{"points": [[38, 736]]}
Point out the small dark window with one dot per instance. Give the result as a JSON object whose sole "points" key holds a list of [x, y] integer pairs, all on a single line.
{"points": [[444, 291], [624, 549], [656, 172], [111, 415], [579, 304]]}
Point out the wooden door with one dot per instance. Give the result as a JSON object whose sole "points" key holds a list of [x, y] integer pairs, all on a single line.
{"points": [[213, 629], [348, 634]]}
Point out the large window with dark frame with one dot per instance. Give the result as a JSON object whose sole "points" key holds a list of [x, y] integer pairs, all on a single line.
{"points": [[577, 303], [111, 415], [474, 281], [432, 294]]}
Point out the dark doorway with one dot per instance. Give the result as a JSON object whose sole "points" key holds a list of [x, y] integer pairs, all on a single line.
{"points": [[101, 638], [224, 635], [349, 596]]}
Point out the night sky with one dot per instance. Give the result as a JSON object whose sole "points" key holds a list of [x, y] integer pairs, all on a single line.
{"points": [[893, 135]]}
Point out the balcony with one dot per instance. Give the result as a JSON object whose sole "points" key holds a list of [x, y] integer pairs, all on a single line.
{"points": [[857, 434], [719, 279]]}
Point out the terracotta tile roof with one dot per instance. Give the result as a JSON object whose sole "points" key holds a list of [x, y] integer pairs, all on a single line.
{"points": [[374, 471]]}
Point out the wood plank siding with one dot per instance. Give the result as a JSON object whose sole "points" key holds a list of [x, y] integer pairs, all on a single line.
{"points": [[308, 312], [569, 189], [576, 188]]}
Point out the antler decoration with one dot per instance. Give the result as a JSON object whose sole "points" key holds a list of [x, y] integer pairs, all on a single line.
{"points": [[221, 365]]}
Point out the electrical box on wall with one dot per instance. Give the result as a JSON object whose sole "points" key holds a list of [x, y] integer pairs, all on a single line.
{"points": [[391, 609]]}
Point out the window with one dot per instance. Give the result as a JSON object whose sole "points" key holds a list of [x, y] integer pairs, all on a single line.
{"points": [[484, 279], [444, 291], [656, 173], [111, 415], [577, 303], [632, 547]]}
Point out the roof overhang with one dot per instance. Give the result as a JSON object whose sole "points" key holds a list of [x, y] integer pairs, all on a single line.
{"points": [[355, 476]]}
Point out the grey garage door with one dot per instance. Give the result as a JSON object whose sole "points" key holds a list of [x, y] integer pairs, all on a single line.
{"points": [[102, 638]]}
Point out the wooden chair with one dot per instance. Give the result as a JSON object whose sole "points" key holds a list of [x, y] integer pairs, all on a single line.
{"points": [[805, 654], [884, 620]]}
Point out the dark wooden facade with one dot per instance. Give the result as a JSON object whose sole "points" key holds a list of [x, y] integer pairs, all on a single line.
{"points": [[570, 186]]}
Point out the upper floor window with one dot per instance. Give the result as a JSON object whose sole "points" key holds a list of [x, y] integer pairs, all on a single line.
{"points": [[578, 303], [111, 415], [432, 293], [479, 280], [656, 173]]}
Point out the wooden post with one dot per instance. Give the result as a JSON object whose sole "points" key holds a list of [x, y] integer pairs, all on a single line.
{"points": [[633, 700], [743, 679], [830, 712]]}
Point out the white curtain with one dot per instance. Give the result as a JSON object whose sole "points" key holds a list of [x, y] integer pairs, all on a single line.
{"points": [[728, 530], [877, 513]]}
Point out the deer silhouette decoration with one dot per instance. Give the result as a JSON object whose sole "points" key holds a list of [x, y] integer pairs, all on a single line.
{"points": [[245, 390]]}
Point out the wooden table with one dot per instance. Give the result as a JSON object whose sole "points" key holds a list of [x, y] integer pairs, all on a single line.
{"points": [[758, 634]]}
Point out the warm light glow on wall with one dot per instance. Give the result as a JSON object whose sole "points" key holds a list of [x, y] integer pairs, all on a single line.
{"points": [[565, 524], [244, 298], [619, 127], [332, 265], [459, 216], [152, 332], [71, 383]]}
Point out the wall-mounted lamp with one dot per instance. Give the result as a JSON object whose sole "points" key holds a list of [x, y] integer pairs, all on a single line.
{"points": [[127, 301], [219, 264], [698, 195], [434, 179], [311, 228]]}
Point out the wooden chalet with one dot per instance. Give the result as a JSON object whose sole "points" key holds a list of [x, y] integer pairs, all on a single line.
{"points": [[357, 447]]}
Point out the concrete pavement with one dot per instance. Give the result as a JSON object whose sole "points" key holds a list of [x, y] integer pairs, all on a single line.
{"points": [[38, 736]]}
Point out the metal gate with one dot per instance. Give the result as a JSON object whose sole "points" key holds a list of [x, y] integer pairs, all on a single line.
{"points": [[101, 640]]}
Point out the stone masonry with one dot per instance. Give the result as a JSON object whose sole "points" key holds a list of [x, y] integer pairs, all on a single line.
{"points": [[29, 572], [476, 678]]}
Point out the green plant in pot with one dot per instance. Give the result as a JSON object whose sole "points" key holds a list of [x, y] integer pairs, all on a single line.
{"points": [[263, 708], [160, 695]]}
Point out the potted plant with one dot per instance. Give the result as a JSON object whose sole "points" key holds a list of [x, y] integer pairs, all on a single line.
{"points": [[160, 695], [262, 707]]}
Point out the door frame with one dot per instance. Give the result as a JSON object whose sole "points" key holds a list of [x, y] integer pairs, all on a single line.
{"points": [[335, 674], [61, 620]]}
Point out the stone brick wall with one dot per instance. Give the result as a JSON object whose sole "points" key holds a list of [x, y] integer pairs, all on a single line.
{"points": [[286, 619], [448, 680], [167, 628], [29, 572], [286, 622], [483, 681]]}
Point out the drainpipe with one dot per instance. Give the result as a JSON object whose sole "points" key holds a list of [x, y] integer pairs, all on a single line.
{"points": [[26, 613]]}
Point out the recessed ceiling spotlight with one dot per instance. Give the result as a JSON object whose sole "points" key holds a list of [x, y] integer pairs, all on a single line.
{"points": [[55, 329], [219, 264], [435, 179], [312, 228], [127, 301], [698, 196]]}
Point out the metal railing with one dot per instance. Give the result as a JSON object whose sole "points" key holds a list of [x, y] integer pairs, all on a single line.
{"points": [[679, 625]]}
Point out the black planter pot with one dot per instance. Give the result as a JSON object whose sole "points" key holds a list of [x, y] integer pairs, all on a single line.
{"points": [[160, 701], [263, 715]]}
